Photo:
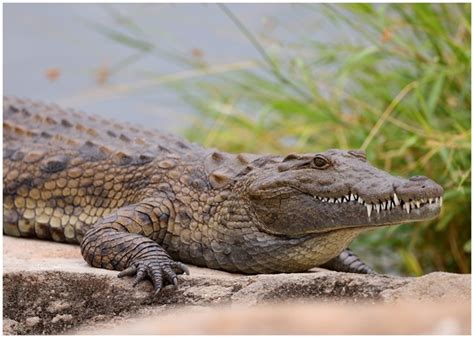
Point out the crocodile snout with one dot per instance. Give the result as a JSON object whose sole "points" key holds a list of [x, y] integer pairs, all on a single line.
{"points": [[418, 187]]}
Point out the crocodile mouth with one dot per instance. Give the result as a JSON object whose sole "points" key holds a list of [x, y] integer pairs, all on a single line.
{"points": [[353, 211], [394, 203], [294, 211]]}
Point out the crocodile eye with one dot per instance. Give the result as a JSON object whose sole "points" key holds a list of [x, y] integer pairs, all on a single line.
{"points": [[321, 162]]}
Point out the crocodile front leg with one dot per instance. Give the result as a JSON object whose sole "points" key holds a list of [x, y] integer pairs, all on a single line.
{"points": [[125, 241], [347, 261]]}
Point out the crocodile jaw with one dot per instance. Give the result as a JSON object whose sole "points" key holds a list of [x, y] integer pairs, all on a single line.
{"points": [[393, 210], [305, 214]]}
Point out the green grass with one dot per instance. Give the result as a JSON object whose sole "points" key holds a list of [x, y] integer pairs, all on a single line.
{"points": [[398, 87]]}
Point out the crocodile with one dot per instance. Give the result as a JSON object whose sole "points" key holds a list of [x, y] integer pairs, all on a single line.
{"points": [[145, 203]]}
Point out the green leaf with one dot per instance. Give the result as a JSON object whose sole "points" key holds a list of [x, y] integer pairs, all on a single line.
{"points": [[123, 38], [467, 246], [435, 94], [411, 262]]}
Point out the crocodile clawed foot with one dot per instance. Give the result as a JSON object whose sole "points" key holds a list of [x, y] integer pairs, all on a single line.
{"points": [[347, 261], [157, 269]]}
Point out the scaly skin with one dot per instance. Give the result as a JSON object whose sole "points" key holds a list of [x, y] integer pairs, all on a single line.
{"points": [[142, 202]]}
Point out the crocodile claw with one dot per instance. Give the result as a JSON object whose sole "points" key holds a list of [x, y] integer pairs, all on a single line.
{"points": [[157, 270]]}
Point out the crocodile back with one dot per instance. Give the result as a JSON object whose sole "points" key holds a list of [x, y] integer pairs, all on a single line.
{"points": [[33, 125], [63, 169]]}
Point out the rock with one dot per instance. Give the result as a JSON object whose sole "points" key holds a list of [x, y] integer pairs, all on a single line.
{"points": [[64, 318], [58, 306], [436, 286], [292, 318], [11, 327], [211, 294], [51, 281], [32, 321]]}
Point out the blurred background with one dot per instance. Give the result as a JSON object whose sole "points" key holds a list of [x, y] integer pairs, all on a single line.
{"points": [[392, 79]]}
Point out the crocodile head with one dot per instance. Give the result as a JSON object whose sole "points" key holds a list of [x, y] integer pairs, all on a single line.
{"points": [[333, 190]]}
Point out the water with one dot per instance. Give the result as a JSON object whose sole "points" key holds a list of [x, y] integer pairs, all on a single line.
{"points": [[53, 52]]}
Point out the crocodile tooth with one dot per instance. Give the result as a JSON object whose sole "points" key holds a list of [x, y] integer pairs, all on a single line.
{"points": [[360, 200], [436, 200], [430, 200], [412, 205], [389, 205], [369, 209], [395, 199], [340, 200], [383, 205], [406, 206], [353, 198], [418, 204], [441, 201], [377, 207], [423, 200], [331, 200]]}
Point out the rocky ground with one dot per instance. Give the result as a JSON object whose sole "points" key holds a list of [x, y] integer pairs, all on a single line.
{"points": [[49, 289]]}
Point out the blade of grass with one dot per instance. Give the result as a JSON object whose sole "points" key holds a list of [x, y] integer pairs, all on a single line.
{"points": [[273, 66], [375, 129]]}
